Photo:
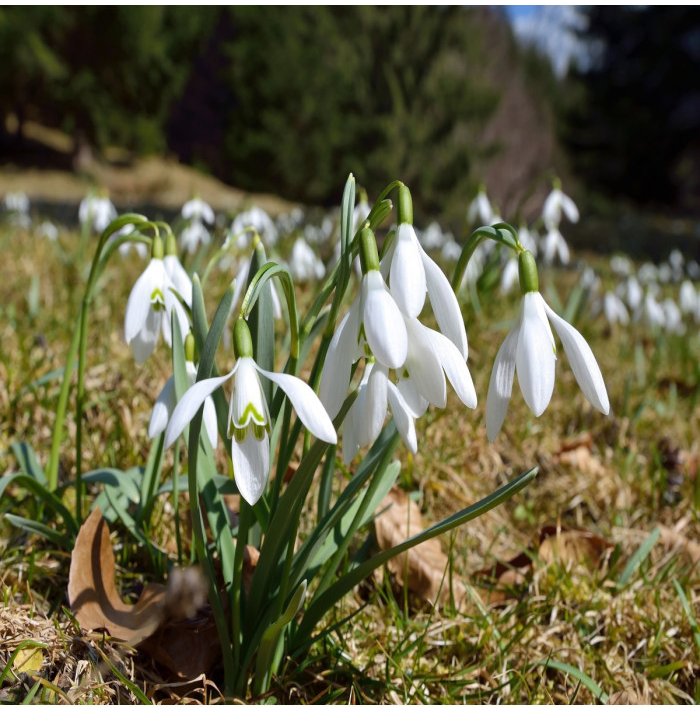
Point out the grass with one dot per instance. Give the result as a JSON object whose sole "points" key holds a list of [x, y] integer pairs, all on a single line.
{"points": [[620, 626]]}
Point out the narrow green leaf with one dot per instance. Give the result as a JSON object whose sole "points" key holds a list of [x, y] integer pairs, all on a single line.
{"points": [[638, 557], [63, 541], [689, 613], [124, 480], [335, 592], [27, 461], [590, 684]]}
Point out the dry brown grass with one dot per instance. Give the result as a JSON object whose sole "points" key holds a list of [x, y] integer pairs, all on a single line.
{"points": [[633, 637]]}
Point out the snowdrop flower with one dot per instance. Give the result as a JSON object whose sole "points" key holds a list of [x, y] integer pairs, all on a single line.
{"points": [[693, 270], [688, 298], [149, 308], [614, 309], [432, 237], [167, 400], [48, 230], [96, 212], [451, 250], [198, 210], [304, 264], [665, 273], [194, 234], [529, 348], [412, 274], [479, 211], [673, 318], [248, 418], [620, 265], [554, 246], [17, 202], [557, 202], [259, 220], [648, 273], [633, 293], [176, 272], [373, 327], [652, 312]]}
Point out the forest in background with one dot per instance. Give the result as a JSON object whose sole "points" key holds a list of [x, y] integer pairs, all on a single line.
{"points": [[290, 100]]}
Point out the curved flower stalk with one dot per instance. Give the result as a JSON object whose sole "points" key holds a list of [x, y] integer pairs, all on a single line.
{"points": [[412, 274], [149, 308], [167, 400], [529, 348], [248, 418]]}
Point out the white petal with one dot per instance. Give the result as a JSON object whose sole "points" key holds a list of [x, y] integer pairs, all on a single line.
{"points": [[248, 404], [188, 406], [375, 405], [570, 209], [383, 322], [551, 211], [342, 351], [210, 422], [145, 341], [445, 305], [307, 405], [407, 275], [385, 263], [165, 403], [139, 303], [455, 368], [423, 364], [501, 383], [251, 465], [403, 418], [351, 426], [417, 403], [583, 363], [179, 277], [535, 358]]}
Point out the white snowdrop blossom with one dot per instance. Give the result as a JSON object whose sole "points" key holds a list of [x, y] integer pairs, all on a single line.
{"points": [[554, 246], [480, 211], [167, 400], [374, 327], [673, 317], [259, 220], [148, 311], [194, 234], [16, 202], [529, 349], [614, 309], [198, 210], [180, 278], [632, 293], [556, 203], [688, 298], [648, 273], [412, 274], [249, 418], [451, 250], [620, 265], [509, 275], [127, 246], [652, 312], [48, 230], [96, 212], [528, 239], [304, 265]]}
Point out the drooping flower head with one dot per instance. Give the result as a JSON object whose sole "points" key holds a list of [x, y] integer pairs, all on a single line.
{"points": [[529, 349], [249, 420], [149, 308]]}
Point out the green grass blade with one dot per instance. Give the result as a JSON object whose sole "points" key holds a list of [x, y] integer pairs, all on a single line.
{"points": [[29, 525], [27, 461], [581, 676], [638, 557]]}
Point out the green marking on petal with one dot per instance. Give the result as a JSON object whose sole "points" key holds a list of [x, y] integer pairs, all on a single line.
{"points": [[157, 299], [251, 411]]}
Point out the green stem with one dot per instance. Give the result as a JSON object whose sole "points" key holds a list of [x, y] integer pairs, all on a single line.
{"points": [[244, 518], [359, 516]]}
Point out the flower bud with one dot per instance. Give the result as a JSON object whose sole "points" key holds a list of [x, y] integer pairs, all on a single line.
{"points": [[170, 244], [527, 272], [242, 341], [157, 247], [189, 347], [369, 258], [404, 206]]}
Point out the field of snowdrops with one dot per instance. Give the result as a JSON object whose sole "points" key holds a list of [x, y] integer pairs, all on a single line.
{"points": [[578, 581]]}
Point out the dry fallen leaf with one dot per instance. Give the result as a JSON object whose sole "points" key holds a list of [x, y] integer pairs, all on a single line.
{"points": [[28, 660], [424, 568], [92, 591], [571, 547]]}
